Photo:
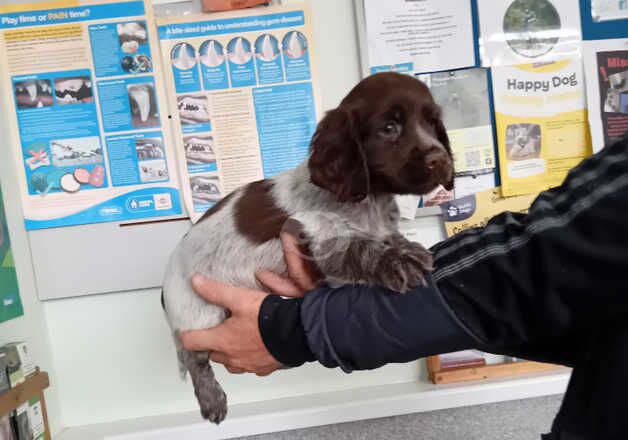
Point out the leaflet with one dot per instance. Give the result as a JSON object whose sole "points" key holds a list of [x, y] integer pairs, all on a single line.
{"points": [[10, 302], [246, 93], [542, 124], [522, 31], [425, 36], [476, 210], [607, 90], [463, 96], [87, 113]]}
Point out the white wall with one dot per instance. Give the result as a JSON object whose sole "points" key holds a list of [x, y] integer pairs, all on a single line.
{"points": [[112, 354]]}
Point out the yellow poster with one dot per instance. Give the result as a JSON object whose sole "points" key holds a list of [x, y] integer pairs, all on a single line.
{"points": [[542, 124], [476, 210]]}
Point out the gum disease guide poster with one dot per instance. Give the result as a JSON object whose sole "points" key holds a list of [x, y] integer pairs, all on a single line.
{"points": [[542, 124], [88, 121], [10, 303], [246, 93]]}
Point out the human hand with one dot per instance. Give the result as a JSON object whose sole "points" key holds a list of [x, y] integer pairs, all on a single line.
{"points": [[302, 275], [237, 342]]}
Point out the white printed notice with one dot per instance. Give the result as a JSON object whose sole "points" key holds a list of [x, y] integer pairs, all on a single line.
{"points": [[246, 95], [86, 113], [419, 36], [528, 31]]}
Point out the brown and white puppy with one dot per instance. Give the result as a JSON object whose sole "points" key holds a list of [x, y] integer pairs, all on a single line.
{"points": [[385, 138]]}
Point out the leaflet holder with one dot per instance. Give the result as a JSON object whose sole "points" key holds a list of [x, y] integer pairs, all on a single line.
{"points": [[103, 258]]}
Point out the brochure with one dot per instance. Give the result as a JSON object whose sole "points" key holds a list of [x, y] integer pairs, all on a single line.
{"points": [[541, 122], [88, 122], [607, 89], [246, 91], [476, 210], [463, 96]]}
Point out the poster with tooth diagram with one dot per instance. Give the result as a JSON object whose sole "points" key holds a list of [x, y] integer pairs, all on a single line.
{"points": [[542, 124], [246, 93], [86, 112]]}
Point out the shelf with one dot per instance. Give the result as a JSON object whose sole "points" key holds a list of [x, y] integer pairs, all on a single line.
{"points": [[512, 370], [34, 386]]}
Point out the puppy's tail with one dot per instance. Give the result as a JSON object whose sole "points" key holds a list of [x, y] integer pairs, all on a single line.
{"points": [[183, 371]]}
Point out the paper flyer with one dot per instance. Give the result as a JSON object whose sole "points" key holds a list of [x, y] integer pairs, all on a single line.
{"points": [[245, 88], [542, 124], [10, 302], [607, 89], [476, 210], [526, 31], [463, 96], [607, 10], [88, 122], [425, 36]]}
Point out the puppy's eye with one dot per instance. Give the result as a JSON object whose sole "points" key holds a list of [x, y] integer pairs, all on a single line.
{"points": [[391, 129]]}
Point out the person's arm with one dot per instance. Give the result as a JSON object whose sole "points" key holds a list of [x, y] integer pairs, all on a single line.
{"points": [[527, 285]]}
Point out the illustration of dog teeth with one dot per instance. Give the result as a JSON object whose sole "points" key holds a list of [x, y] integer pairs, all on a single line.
{"points": [[142, 98], [45, 87], [294, 46], [267, 49], [32, 91], [213, 58], [239, 54], [184, 59]]}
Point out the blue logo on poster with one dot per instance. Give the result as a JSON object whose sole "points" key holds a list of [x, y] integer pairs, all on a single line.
{"points": [[185, 68], [213, 65], [269, 69], [140, 203], [296, 56], [241, 65]]}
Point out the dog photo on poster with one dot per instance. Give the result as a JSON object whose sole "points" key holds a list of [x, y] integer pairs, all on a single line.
{"points": [[10, 303]]}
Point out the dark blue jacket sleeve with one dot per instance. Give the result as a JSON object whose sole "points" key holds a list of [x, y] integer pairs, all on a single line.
{"points": [[360, 327]]}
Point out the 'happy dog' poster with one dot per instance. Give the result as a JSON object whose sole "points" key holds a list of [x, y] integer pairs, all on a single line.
{"points": [[541, 121]]}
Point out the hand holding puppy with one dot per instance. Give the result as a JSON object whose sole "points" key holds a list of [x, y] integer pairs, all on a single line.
{"points": [[237, 343]]}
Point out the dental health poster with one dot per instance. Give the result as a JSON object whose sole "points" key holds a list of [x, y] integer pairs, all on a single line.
{"points": [[88, 125], [419, 36], [541, 121], [528, 31], [246, 93], [10, 302]]}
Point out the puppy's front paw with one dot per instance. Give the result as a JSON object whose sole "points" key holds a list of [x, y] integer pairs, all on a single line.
{"points": [[213, 403], [404, 266]]}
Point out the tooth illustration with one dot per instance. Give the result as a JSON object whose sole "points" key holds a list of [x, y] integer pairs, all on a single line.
{"points": [[31, 88], [45, 87], [240, 55], [212, 58], [268, 52], [294, 46], [184, 60], [141, 96]]}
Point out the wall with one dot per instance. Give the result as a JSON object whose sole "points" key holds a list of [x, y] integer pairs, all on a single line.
{"points": [[112, 354], [32, 327]]}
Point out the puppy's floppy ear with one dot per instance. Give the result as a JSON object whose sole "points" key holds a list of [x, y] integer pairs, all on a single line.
{"points": [[337, 160], [441, 135]]}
